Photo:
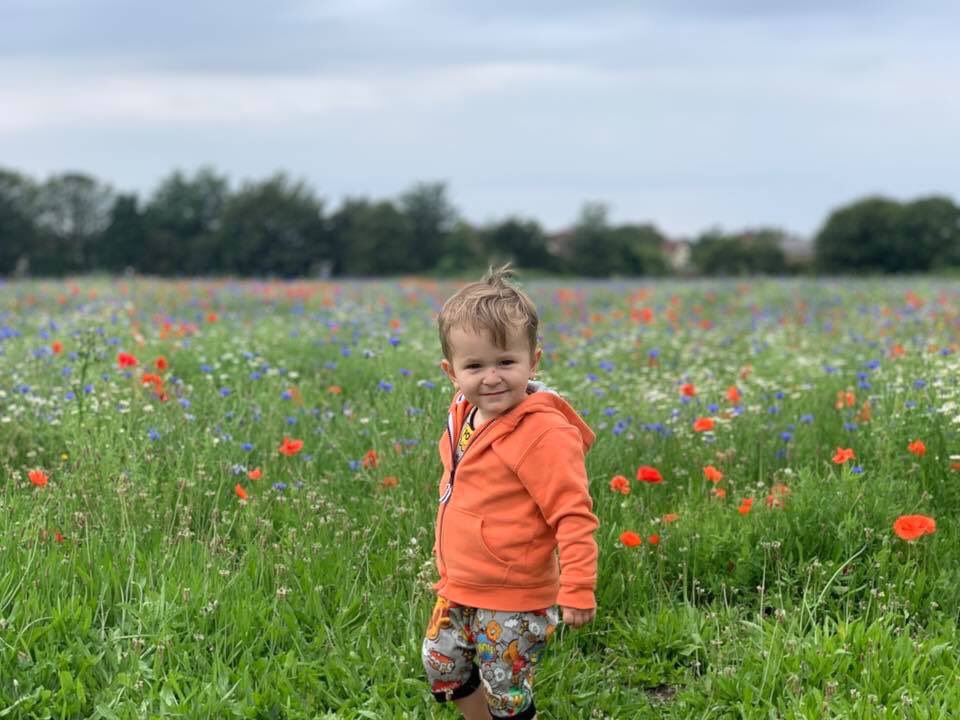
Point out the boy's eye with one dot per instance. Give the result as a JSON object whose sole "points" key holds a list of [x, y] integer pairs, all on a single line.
{"points": [[472, 366], [506, 362]]}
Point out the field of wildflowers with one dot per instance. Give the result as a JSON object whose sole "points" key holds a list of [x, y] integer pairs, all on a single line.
{"points": [[217, 498]]}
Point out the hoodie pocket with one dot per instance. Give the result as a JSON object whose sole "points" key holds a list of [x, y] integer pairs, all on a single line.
{"points": [[466, 555]]}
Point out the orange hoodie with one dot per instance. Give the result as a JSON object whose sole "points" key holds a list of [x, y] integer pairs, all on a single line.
{"points": [[518, 493]]}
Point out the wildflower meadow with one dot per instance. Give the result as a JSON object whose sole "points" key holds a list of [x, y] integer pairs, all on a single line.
{"points": [[217, 497]]}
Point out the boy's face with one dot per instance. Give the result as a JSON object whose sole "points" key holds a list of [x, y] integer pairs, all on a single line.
{"points": [[491, 378]]}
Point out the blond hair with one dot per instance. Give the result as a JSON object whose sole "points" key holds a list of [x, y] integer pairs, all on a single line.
{"points": [[491, 305]]}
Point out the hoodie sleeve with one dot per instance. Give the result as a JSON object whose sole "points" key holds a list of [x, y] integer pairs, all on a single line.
{"points": [[554, 474]]}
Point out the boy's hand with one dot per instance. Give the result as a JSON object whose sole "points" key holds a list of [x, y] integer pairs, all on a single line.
{"points": [[575, 618]]}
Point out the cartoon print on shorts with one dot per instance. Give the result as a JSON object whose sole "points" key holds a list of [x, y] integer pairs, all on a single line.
{"points": [[439, 618], [445, 686], [440, 662]]}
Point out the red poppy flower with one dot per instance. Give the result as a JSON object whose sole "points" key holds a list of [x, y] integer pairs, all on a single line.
{"points": [[241, 493], [38, 477], [733, 394], [648, 474], [151, 379], [290, 447], [842, 455], [212, 317], [911, 527], [745, 506], [712, 474], [161, 363], [371, 459], [620, 484], [255, 474], [630, 539], [703, 424], [389, 481], [670, 517], [688, 390], [334, 389], [654, 539], [56, 347], [718, 492], [918, 448], [58, 536], [125, 360]]}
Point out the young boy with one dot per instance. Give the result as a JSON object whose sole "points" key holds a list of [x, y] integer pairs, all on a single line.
{"points": [[513, 492]]}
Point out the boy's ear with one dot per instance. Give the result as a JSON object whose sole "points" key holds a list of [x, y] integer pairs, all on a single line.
{"points": [[536, 361], [448, 370]]}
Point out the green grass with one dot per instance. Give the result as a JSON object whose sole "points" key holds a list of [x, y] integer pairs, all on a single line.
{"points": [[170, 597]]}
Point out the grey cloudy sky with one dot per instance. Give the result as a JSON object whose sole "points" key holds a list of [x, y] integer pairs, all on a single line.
{"points": [[685, 113]]}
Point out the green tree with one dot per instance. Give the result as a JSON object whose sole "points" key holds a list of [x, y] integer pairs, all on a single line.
{"points": [[432, 218], [273, 227], [932, 227], [601, 250], [865, 236], [371, 238], [522, 242], [73, 210], [747, 253], [181, 221], [18, 232], [121, 244]]}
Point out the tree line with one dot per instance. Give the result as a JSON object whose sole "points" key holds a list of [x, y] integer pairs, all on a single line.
{"points": [[73, 223]]}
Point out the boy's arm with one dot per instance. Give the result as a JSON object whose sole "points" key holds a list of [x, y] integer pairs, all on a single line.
{"points": [[554, 474]]}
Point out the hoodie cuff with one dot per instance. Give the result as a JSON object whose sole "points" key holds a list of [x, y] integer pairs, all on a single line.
{"points": [[577, 598]]}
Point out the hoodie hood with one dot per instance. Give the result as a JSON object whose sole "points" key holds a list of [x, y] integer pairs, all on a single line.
{"points": [[540, 399]]}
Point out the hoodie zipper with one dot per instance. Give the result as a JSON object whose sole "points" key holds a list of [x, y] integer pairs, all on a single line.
{"points": [[448, 493]]}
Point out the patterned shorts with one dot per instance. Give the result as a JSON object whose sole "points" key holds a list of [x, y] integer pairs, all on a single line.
{"points": [[506, 646]]}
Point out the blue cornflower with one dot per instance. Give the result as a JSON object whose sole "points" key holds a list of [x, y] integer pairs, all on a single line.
{"points": [[713, 407], [619, 427], [153, 434], [786, 436], [69, 396], [405, 372], [280, 486], [205, 369], [247, 447], [910, 404], [919, 384], [592, 377], [286, 395], [609, 411], [255, 375], [354, 464], [427, 384], [806, 419], [394, 341], [345, 351], [385, 386], [184, 402], [773, 409], [779, 395], [829, 369], [655, 353], [225, 391], [331, 365], [605, 365], [67, 371], [856, 470], [851, 426], [872, 364], [88, 388], [291, 420]]}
